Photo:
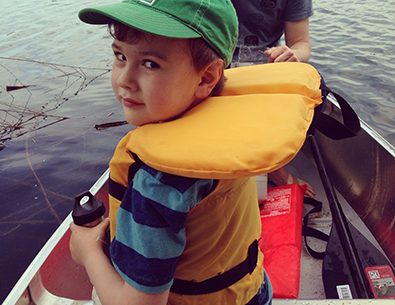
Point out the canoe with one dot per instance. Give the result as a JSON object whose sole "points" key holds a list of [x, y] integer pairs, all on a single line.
{"points": [[361, 169]]}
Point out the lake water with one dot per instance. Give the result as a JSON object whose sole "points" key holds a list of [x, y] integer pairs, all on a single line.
{"points": [[50, 150]]}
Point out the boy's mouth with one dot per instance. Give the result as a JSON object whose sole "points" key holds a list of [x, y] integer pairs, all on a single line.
{"points": [[128, 102]]}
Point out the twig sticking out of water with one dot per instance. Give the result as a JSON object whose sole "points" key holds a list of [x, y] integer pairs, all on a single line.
{"points": [[52, 64], [111, 124], [17, 119], [12, 88], [8, 129]]}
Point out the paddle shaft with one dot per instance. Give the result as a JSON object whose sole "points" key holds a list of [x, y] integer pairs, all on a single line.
{"points": [[340, 221]]}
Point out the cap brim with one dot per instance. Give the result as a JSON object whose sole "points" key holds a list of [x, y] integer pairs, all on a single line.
{"points": [[139, 17]]}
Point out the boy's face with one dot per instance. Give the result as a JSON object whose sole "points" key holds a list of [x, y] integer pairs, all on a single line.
{"points": [[154, 78]]}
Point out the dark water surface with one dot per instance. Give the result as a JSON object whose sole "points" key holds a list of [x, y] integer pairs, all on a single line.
{"points": [[353, 47], [50, 150]]}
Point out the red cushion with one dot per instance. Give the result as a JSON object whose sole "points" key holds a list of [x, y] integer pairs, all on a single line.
{"points": [[281, 238]]}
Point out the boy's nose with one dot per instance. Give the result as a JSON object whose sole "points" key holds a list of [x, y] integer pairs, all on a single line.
{"points": [[127, 80]]}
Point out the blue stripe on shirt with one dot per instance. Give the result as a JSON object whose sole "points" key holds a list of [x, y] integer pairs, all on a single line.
{"points": [[142, 242], [147, 289], [151, 225], [171, 180], [147, 272], [151, 213], [169, 190]]}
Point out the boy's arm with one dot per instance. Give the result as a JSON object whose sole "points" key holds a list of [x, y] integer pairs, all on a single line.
{"points": [[86, 249]]}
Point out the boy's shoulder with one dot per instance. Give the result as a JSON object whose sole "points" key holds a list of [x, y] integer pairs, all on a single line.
{"points": [[174, 192], [180, 183]]}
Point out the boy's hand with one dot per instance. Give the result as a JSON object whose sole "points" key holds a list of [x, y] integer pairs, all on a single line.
{"points": [[86, 242], [86, 247]]}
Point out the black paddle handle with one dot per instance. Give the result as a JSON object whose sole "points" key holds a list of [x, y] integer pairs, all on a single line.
{"points": [[340, 221]]}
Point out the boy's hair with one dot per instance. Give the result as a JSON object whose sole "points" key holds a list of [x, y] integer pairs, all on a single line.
{"points": [[201, 52]]}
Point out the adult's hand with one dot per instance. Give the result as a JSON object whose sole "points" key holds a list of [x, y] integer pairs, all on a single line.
{"points": [[281, 54], [297, 43]]}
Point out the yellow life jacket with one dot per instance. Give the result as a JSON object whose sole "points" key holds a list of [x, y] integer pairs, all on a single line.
{"points": [[257, 125]]}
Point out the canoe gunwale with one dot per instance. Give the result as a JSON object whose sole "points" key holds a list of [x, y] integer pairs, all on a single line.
{"points": [[19, 290]]}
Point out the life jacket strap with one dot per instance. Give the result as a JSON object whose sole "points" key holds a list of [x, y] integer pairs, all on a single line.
{"points": [[221, 281], [118, 190]]}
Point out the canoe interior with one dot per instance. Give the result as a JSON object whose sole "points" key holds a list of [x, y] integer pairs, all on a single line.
{"points": [[361, 169]]}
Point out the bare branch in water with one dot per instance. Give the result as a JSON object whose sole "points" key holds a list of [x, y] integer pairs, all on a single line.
{"points": [[12, 88], [111, 124], [18, 118], [51, 64]]}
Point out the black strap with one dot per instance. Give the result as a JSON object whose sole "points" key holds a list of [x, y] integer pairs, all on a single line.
{"points": [[333, 128], [221, 281], [254, 301], [311, 232], [118, 190]]}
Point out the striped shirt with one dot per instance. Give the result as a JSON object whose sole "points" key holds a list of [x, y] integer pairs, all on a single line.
{"points": [[151, 221]]}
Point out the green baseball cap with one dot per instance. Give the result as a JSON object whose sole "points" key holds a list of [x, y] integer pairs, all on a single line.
{"points": [[213, 20]]}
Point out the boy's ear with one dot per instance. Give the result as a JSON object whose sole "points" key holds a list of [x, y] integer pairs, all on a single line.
{"points": [[209, 78]]}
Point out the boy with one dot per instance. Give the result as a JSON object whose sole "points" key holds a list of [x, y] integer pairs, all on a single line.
{"points": [[175, 239]]}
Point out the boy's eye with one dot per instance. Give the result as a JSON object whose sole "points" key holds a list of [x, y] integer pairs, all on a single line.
{"points": [[151, 64], [119, 56]]}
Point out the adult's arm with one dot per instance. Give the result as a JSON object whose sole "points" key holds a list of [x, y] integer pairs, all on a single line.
{"points": [[298, 45]]}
